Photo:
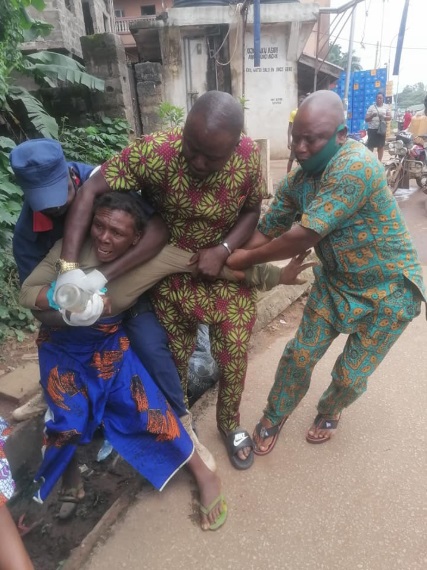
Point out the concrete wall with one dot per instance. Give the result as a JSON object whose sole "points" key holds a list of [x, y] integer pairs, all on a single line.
{"points": [[68, 25], [270, 91], [105, 57], [149, 88], [67, 19], [102, 13], [132, 9], [324, 21]]}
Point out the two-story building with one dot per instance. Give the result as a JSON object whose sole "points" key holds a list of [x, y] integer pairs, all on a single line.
{"points": [[70, 20]]}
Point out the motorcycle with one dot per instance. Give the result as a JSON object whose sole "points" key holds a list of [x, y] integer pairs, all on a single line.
{"points": [[408, 160]]}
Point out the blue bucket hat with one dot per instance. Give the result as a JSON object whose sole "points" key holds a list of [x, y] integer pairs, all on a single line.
{"points": [[42, 173]]}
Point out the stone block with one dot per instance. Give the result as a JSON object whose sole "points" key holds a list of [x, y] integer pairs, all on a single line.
{"points": [[20, 384], [149, 71]]}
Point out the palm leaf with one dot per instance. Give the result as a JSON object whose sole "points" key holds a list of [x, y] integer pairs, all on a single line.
{"points": [[58, 67], [42, 121]]}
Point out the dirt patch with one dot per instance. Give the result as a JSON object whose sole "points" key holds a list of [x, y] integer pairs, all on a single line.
{"points": [[51, 540], [13, 355]]}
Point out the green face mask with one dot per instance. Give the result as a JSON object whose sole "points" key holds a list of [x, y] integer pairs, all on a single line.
{"points": [[317, 163]]}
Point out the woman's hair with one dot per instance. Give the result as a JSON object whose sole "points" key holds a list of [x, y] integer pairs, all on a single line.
{"points": [[128, 202]]}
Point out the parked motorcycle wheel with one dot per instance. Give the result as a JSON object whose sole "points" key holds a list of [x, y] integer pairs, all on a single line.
{"points": [[394, 173], [422, 182]]}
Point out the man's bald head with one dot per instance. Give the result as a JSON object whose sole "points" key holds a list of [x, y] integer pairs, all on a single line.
{"points": [[218, 111], [325, 106], [212, 132]]}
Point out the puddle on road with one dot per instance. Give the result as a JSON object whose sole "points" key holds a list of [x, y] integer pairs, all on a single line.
{"points": [[403, 194]]}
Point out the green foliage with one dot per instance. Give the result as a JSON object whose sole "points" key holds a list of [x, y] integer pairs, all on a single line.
{"points": [[97, 143], [244, 101], [16, 26], [14, 319], [412, 95], [49, 68], [338, 57], [43, 123], [10, 195], [170, 115], [18, 106]]}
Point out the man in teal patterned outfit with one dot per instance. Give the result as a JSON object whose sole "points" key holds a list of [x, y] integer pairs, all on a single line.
{"points": [[369, 284]]}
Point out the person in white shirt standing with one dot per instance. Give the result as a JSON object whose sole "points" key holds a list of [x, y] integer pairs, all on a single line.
{"points": [[377, 117]]}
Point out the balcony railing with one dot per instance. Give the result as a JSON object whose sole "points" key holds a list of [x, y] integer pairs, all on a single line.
{"points": [[122, 24]]}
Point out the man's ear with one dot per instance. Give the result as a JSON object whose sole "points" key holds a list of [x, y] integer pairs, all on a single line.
{"points": [[342, 135], [137, 238]]}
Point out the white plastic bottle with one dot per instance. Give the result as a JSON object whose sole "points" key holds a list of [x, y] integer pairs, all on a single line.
{"points": [[71, 298]]}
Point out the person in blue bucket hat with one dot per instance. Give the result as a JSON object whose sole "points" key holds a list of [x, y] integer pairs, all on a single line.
{"points": [[43, 174], [49, 184]]}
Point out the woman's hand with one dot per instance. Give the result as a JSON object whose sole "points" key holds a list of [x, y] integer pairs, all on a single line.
{"points": [[93, 311], [289, 273]]}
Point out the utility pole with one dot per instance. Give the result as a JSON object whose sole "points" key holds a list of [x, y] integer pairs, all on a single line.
{"points": [[349, 61]]}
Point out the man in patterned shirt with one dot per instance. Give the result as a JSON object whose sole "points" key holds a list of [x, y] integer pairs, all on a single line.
{"points": [[205, 181], [369, 284]]}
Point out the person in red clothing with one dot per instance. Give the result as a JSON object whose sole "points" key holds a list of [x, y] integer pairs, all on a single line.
{"points": [[407, 118]]}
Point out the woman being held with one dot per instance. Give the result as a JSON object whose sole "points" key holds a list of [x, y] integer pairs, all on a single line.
{"points": [[377, 117], [91, 377]]}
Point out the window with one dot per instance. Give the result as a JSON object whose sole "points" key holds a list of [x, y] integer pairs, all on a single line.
{"points": [[119, 13], [149, 10]]}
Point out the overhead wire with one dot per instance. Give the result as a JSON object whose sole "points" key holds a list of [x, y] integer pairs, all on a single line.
{"points": [[239, 25]]}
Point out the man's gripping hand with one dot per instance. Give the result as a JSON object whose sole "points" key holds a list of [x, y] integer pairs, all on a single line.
{"points": [[209, 262]]}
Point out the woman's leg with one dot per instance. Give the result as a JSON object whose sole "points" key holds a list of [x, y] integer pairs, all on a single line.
{"points": [[13, 555], [371, 139], [209, 485], [380, 153]]}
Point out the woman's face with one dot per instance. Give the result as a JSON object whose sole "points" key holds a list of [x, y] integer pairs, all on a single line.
{"points": [[113, 233], [380, 100]]}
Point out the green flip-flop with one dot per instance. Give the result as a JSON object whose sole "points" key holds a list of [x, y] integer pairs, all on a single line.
{"points": [[220, 520]]}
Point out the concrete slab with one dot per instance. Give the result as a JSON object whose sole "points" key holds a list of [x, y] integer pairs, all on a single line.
{"points": [[20, 384]]}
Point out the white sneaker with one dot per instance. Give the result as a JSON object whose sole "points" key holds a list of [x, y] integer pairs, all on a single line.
{"points": [[204, 453], [34, 407]]}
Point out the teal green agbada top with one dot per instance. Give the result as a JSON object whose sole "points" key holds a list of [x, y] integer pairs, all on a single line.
{"points": [[366, 252]]}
